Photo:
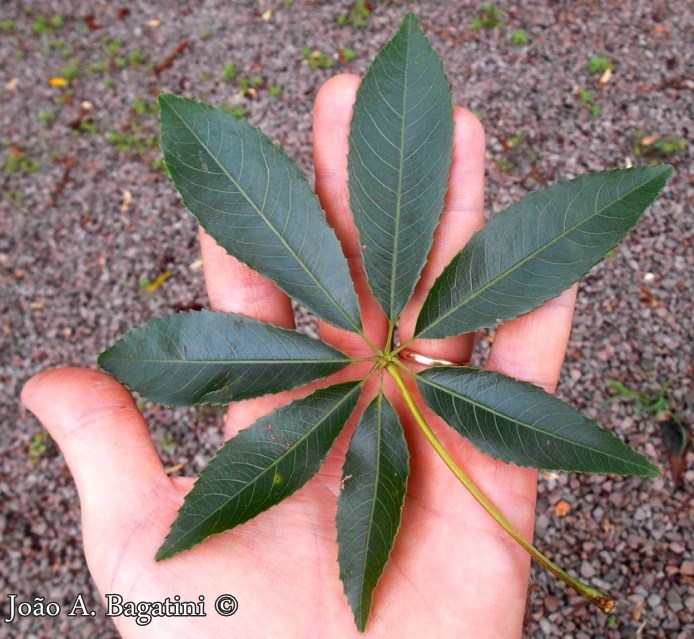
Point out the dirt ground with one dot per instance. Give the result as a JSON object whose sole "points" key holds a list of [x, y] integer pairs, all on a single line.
{"points": [[93, 240]]}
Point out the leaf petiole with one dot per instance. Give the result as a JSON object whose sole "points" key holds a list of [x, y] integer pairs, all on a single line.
{"points": [[594, 595]]}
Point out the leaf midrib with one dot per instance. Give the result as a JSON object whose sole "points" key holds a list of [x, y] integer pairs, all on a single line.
{"points": [[364, 597], [260, 213], [224, 362], [398, 204], [498, 413], [517, 265]]}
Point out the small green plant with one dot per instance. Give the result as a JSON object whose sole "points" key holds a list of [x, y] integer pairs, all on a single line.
{"points": [[44, 25], [489, 19], [143, 106], [132, 141], [8, 27], [46, 118], [38, 446], [519, 37], [275, 90], [316, 59], [168, 443], [515, 141], [671, 145], [113, 46], [137, 58], [137, 137], [86, 125], [255, 203], [586, 99], [229, 72], [159, 165], [505, 165], [347, 54], [655, 146], [71, 71], [599, 64], [19, 162], [238, 111], [357, 16], [643, 402]]}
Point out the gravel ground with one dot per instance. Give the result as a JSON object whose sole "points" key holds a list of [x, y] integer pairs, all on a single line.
{"points": [[87, 220]]}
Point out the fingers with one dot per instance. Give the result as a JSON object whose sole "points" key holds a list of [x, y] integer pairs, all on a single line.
{"points": [[533, 346], [106, 445], [332, 114], [463, 215], [235, 288]]}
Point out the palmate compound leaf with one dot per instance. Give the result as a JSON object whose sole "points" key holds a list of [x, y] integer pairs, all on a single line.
{"points": [[537, 248], [521, 423], [206, 357], [369, 508], [400, 147], [253, 200], [262, 465]]}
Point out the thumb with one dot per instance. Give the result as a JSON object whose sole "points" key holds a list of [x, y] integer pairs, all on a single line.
{"points": [[107, 447]]}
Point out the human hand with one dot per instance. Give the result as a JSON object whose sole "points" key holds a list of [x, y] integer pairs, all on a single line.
{"points": [[453, 571]]}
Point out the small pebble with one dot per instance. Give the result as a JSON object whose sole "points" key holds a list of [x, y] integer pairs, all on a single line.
{"points": [[641, 514], [541, 525], [587, 570], [546, 627], [551, 603], [653, 600], [674, 600]]}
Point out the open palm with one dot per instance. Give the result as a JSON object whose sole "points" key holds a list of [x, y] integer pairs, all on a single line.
{"points": [[453, 571]]}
